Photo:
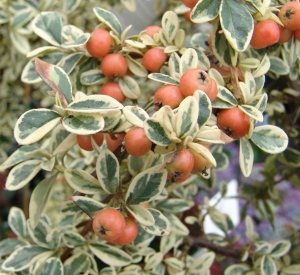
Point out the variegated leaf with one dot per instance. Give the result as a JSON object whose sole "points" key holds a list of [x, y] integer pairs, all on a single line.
{"points": [[110, 255], [166, 79], [270, 139], [203, 151], [252, 112], [39, 199], [203, 263], [61, 140], [52, 266], [186, 117], [204, 104], [56, 78], [156, 132], [170, 25], [176, 224], [135, 115], [80, 41], [82, 181], [84, 124], [92, 77], [174, 205], [20, 259], [94, 104], [205, 10], [22, 173], [109, 19], [129, 86], [263, 67], [188, 60], [107, 168], [17, 221], [48, 25], [268, 266], [69, 62], [280, 248], [76, 264], [146, 185], [161, 225], [88, 205], [238, 32], [225, 95], [246, 157], [237, 269], [141, 214]]}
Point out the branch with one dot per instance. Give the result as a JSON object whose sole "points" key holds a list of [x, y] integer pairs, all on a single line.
{"points": [[217, 248]]}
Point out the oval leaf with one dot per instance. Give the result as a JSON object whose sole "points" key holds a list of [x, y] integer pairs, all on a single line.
{"points": [[238, 32], [107, 168], [246, 157], [110, 255], [146, 185], [35, 124], [22, 173], [270, 139], [109, 19]]}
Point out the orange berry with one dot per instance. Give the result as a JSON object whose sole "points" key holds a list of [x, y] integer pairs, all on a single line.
{"points": [[181, 164], [200, 163], [129, 233], [289, 15], [109, 224], [189, 3], [151, 30], [113, 141], [195, 79], [113, 90], [297, 34], [114, 65], [285, 34], [265, 33], [99, 44], [136, 142], [233, 122], [153, 59], [168, 95], [85, 141]]}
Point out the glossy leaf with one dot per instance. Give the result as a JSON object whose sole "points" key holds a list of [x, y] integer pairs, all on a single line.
{"points": [[69, 62], [39, 199], [17, 221], [84, 124], [252, 112], [204, 105], [161, 225], [238, 32], [129, 86], [107, 168], [94, 104], [18, 156], [82, 181], [188, 60], [92, 77], [48, 25], [76, 264], [166, 79], [205, 10], [52, 266], [61, 140], [141, 214], [246, 157], [187, 116], [280, 248], [170, 25], [34, 124], [56, 78], [20, 258], [156, 132], [237, 269], [146, 185], [109, 19], [110, 255], [22, 173], [270, 139], [88, 205], [268, 266]]}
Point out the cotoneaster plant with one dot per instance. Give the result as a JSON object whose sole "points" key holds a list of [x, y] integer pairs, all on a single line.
{"points": [[125, 204]]}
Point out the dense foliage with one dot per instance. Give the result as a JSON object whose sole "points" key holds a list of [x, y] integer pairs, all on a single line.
{"points": [[120, 134]]}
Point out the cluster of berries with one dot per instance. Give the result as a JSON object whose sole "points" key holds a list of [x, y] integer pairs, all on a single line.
{"points": [[268, 32]]}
